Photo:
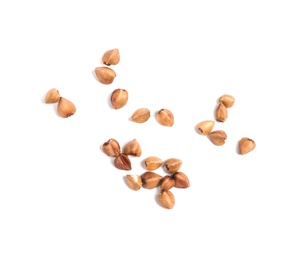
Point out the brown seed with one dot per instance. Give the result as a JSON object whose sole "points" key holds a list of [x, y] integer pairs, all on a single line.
{"points": [[166, 199], [52, 96], [218, 137], [172, 165], [221, 113], [111, 148], [167, 183], [150, 180], [181, 180], [119, 98], [105, 75], [111, 57], [122, 162], [165, 117], [205, 127], [132, 148], [246, 145], [134, 182], [65, 108], [227, 100], [152, 163], [141, 115]]}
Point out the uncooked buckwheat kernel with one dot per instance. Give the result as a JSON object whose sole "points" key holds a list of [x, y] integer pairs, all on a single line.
{"points": [[166, 199], [141, 115], [134, 182], [132, 148], [150, 180], [227, 100], [111, 57], [65, 108], [172, 165], [167, 183], [221, 112], [246, 145], [165, 117], [105, 75], [119, 98], [152, 163], [181, 180], [218, 137], [52, 96], [205, 127], [111, 147], [122, 162]]}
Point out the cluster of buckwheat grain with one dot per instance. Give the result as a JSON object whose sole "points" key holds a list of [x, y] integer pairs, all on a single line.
{"points": [[174, 177], [149, 179], [218, 137]]}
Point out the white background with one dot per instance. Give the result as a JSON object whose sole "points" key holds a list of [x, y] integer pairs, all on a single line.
{"points": [[60, 195]]}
